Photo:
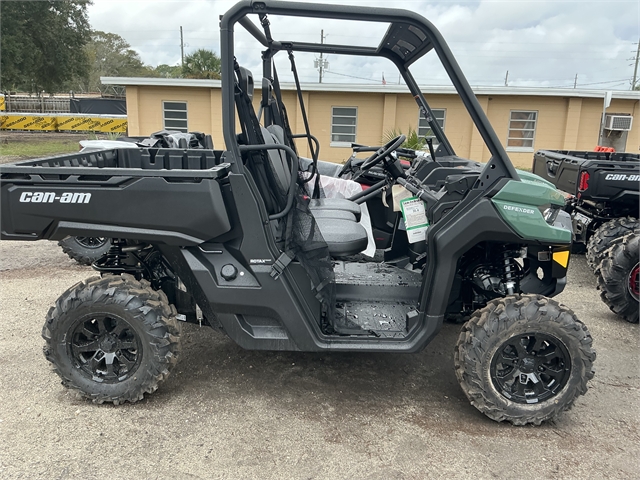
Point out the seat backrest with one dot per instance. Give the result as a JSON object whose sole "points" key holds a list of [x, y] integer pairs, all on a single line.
{"points": [[277, 159], [245, 79]]}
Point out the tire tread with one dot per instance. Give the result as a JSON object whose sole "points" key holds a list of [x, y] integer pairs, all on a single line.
{"points": [[147, 305], [495, 319]]}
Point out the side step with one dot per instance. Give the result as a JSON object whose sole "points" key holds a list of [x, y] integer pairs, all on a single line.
{"points": [[380, 319]]}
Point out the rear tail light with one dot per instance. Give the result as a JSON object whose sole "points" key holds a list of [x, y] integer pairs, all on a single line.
{"points": [[584, 181]]}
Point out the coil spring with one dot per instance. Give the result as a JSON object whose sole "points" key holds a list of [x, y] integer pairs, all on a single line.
{"points": [[115, 255], [509, 271]]}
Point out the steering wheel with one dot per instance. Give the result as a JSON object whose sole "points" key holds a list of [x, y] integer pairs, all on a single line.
{"points": [[382, 152]]}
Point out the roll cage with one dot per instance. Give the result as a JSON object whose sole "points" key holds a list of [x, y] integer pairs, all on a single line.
{"points": [[408, 38]]}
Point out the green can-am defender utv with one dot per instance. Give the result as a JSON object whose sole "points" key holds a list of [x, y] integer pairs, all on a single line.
{"points": [[234, 234]]}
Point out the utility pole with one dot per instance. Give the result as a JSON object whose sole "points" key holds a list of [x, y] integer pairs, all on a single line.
{"points": [[506, 79], [321, 62], [635, 69], [575, 81], [181, 47]]}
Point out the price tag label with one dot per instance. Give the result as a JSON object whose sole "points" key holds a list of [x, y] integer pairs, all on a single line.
{"points": [[415, 219]]}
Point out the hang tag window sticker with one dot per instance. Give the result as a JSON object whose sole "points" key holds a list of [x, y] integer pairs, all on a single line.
{"points": [[415, 219]]}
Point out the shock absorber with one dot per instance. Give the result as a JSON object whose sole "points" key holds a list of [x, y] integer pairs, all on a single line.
{"points": [[115, 255], [509, 271]]}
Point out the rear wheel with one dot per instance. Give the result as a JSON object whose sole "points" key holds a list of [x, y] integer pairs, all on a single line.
{"points": [[524, 359], [85, 250], [113, 339], [607, 235], [618, 278]]}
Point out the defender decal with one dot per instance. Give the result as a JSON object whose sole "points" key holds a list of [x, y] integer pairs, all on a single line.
{"points": [[50, 197], [528, 211]]}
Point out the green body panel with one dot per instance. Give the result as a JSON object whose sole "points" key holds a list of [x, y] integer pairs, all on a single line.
{"points": [[518, 204], [532, 177], [530, 192]]}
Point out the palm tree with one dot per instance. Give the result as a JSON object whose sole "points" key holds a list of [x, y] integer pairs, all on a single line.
{"points": [[201, 64]]}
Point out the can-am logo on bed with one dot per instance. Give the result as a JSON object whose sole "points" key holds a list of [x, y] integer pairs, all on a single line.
{"points": [[50, 197]]}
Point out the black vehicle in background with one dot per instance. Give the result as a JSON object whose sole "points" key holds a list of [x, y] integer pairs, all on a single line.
{"points": [[603, 203]]}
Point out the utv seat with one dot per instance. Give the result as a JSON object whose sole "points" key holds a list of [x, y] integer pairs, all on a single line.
{"points": [[330, 204], [319, 203], [339, 228], [343, 237]]}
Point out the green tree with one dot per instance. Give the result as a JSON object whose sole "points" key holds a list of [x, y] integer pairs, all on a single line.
{"points": [[42, 43], [201, 64], [168, 71], [111, 56]]}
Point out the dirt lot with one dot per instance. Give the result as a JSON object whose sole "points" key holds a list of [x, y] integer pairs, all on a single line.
{"points": [[230, 413]]}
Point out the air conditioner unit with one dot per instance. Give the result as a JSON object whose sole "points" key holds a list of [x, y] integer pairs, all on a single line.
{"points": [[618, 122]]}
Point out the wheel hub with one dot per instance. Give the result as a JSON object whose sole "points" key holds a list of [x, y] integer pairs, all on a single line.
{"points": [[91, 242], [530, 368], [108, 344], [528, 364], [105, 348]]}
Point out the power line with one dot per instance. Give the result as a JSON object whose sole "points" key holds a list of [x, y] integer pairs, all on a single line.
{"points": [[351, 76], [599, 83]]}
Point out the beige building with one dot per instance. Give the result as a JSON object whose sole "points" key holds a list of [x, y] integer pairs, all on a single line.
{"points": [[525, 119]]}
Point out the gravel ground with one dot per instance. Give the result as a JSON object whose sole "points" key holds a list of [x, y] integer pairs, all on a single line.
{"points": [[230, 413]]}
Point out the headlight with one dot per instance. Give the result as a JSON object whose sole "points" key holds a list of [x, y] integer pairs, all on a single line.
{"points": [[550, 214], [563, 220]]}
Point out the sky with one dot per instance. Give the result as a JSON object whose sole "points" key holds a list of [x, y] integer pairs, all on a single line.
{"points": [[540, 43]]}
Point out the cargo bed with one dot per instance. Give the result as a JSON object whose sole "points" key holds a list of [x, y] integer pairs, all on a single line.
{"points": [[607, 177], [170, 196]]}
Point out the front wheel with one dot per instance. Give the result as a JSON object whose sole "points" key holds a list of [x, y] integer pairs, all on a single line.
{"points": [[524, 359], [113, 338]]}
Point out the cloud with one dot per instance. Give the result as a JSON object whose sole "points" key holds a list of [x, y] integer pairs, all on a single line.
{"points": [[540, 43]]}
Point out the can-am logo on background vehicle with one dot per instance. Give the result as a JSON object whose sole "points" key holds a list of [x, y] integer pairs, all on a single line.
{"points": [[50, 197], [622, 176]]}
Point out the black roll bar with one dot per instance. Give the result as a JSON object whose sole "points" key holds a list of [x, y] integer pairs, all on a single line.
{"points": [[499, 158]]}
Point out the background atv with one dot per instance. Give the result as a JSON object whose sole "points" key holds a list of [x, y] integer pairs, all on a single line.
{"points": [[603, 203], [235, 233]]}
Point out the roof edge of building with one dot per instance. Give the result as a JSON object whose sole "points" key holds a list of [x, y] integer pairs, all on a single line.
{"points": [[391, 89]]}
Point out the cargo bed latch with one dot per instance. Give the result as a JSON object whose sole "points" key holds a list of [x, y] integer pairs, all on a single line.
{"points": [[279, 265]]}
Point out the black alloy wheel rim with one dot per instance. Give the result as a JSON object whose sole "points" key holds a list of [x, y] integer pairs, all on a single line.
{"points": [[530, 368], [91, 242], [105, 348]]}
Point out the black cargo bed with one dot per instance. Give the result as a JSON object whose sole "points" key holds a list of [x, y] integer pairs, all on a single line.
{"points": [[611, 176], [137, 162], [169, 196]]}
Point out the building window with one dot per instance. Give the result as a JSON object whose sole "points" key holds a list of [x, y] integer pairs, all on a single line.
{"points": [[174, 115], [343, 126], [522, 130], [424, 130]]}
